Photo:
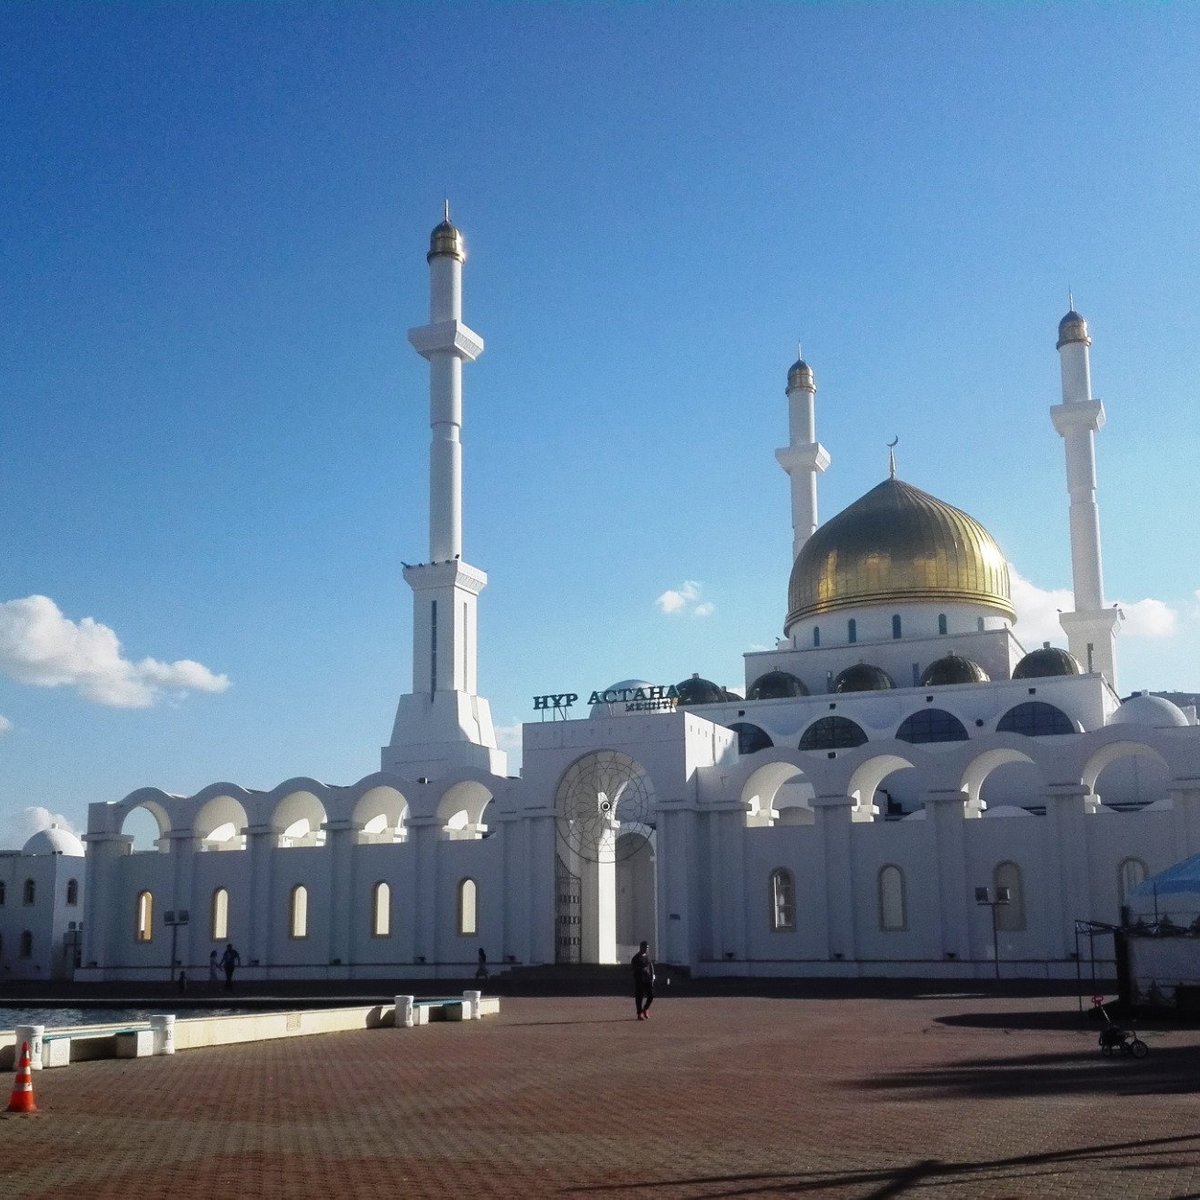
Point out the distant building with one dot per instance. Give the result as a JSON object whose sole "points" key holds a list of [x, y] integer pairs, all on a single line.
{"points": [[900, 771], [41, 906]]}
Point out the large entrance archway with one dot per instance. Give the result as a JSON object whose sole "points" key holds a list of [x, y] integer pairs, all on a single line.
{"points": [[605, 869]]}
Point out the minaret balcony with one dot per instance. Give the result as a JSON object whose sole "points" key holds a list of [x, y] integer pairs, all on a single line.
{"points": [[446, 337], [1081, 416], [808, 456]]}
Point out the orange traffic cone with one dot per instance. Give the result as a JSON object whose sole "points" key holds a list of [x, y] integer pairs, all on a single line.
{"points": [[22, 1093]]}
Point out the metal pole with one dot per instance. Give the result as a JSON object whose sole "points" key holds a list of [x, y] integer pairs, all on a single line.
{"points": [[174, 935], [995, 939]]}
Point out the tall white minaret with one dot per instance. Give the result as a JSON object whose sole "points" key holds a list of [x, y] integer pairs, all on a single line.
{"points": [[1091, 629], [804, 458], [442, 724]]}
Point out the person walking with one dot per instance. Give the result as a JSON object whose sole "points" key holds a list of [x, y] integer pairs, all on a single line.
{"points": [[481, 972], [643, 981], [230, 960], [214, 970]]}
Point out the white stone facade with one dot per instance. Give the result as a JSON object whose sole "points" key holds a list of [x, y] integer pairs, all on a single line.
{"points": [[708, 831]]}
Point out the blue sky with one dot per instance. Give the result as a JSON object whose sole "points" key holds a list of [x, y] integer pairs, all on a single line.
{"points": [[212, 230]]}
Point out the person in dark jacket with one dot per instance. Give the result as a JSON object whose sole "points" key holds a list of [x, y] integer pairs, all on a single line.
{"points": [[643, 981]]}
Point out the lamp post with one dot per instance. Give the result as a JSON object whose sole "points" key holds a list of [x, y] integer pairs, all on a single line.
{"points": [[983, 897], [173, 918]]}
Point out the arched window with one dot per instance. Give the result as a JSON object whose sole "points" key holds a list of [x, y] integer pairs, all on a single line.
{"points": [[1130, 873], [72, 891], [381, 911], [852, 630], [299, 922], [751, 739], [816, 635], [143, 927], [220, 915], [1035, 719], [1010, 917], [783, 899], [896, 625], [832, 733], [27, 944], [893, 916], [932, 725], [30, 891], [942, 626], [466, 907]]}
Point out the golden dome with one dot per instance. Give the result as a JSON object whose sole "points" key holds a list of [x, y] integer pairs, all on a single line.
{"points": [[1072, 328], [801, 376], [898, 544], [447, 238]]}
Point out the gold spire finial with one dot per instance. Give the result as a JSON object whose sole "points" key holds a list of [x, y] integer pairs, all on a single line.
{"points": [[1070, 299], [446, 209], [892, 456]]}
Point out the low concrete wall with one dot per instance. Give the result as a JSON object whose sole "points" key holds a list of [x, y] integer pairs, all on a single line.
{"points": [[195, 1033]]}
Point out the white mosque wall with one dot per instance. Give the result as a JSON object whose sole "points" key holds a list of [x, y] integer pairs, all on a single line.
{"points": [[42, 907]]}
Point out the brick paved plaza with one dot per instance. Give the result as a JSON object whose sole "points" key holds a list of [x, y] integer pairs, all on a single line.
{"points": [[935, 1096]]}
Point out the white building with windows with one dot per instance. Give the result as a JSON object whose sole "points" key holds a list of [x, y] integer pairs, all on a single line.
{"points": [[898, 751], [41, 907]]}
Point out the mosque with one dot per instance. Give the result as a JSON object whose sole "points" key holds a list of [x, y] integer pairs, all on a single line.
{"points": [[904, 789]]}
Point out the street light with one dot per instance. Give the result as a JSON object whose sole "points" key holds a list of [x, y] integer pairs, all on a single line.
{"points": [[983, 896], [173, 918]]}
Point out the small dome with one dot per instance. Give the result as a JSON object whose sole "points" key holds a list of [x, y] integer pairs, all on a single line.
{"points": [[800, 375], [54, 841], [953, 669], [776, 685], [898, 544], [447, 238], [1155, 712], [863, 677], [1072, 328], [699, 691], [1049, 660]]}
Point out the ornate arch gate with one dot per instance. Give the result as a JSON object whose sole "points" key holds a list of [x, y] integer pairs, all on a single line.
{"points": [[604, 874]]}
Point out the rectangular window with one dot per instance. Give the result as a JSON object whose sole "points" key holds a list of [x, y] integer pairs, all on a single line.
{"points": [[432, 647], [299, 927]]}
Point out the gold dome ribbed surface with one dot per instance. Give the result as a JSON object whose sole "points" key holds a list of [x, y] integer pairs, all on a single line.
{"points": [[1072, 328], [898, 544], [447, 238]]}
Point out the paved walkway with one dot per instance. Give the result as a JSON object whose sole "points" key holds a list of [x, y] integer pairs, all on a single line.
{"points": [[937, 1096]]}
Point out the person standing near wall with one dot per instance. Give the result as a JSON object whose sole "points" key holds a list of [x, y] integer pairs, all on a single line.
{"points": [[643, 981], [230, 961]]}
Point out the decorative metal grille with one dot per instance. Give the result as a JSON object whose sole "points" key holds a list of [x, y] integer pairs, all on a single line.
{"points": [[568, 904], [600, 792]]}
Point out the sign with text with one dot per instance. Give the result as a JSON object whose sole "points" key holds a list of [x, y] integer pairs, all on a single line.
{"points": [[650, 697]]}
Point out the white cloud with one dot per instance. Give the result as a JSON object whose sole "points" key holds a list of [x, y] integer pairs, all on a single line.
{"points": [[1038, 610], [1148, 619], [41, 647], [685, 598], [21, 825], [5, 725]]}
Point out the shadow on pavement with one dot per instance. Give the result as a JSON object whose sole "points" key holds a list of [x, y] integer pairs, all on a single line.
{"points": [[1148, 1154], [1166, 1070]]}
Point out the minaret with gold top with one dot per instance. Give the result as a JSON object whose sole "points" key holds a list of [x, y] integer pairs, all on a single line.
{"points": [[443, 724], [1091, 629], [803, 458]]}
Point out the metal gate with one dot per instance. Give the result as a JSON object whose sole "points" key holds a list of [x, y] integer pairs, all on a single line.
{"points": [[568, 901]]}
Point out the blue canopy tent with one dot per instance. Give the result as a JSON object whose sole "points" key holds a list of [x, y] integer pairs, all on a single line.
{"points": [[1183, 879]]}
